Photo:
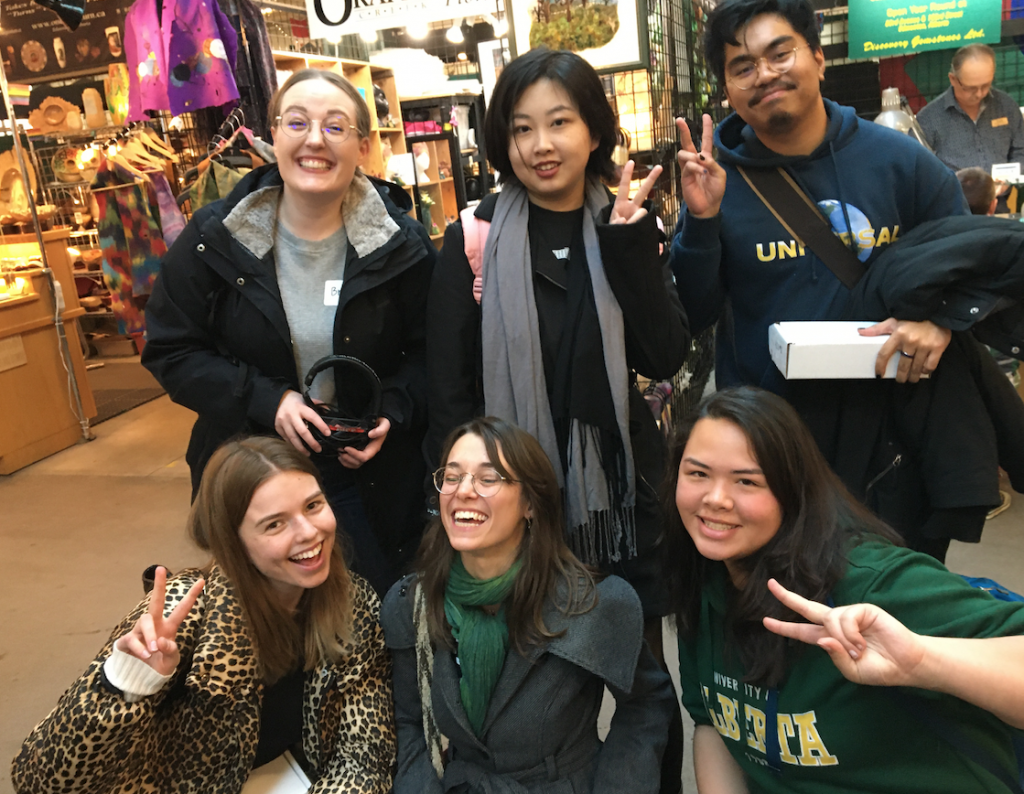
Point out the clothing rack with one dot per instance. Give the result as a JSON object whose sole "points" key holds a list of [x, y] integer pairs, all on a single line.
{"points": [[229, 130]]}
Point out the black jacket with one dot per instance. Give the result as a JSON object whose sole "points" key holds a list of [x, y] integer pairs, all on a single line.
{"points": [[962, 273], [218, 337], [657, 342], [539, 734], [926, 456]]}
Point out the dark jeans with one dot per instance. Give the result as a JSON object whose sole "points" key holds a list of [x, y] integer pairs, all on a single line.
{"points": [[357, 538], [672, 760]]}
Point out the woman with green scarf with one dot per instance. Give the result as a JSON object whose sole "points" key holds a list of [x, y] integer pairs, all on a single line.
{"points": [[503, 642]]}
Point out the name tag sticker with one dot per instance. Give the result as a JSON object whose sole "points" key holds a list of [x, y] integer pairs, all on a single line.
{"points": [[332, 290], [1000, 122]]}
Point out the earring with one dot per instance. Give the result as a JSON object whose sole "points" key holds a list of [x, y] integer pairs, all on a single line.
{"points": [[529, 524]]}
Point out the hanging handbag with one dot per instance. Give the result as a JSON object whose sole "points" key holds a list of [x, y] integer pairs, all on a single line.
{"points": [[345, 431]]}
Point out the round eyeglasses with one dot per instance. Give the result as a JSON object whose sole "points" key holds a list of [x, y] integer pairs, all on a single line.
{"points": [[335, 129], [743, 73], [486, 483]]}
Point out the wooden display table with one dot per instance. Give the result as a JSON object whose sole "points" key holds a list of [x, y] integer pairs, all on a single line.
{"points": [[36, 402]]}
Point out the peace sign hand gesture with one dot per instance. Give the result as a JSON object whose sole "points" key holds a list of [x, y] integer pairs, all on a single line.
{"points": [[152, 638], [866, 643], [701, 178], [631, 210]]}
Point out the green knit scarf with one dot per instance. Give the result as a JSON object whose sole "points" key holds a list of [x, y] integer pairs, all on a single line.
{"points": [[482, 638]]}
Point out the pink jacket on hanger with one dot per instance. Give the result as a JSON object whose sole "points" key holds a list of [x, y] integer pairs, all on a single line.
{"points": [[182, 62]]}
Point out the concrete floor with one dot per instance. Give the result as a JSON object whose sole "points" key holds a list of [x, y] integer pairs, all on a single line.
{"points": [[104, 510]]}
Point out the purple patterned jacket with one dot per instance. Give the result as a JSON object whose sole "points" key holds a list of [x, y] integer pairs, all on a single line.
{"points": [[182, 62]]}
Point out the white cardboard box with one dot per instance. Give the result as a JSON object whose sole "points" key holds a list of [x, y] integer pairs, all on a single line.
{"points": [[283, 775], [826, 350]]}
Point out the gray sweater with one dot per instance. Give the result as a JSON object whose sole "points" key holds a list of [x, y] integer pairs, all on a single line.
{"points": [[310, 274]]}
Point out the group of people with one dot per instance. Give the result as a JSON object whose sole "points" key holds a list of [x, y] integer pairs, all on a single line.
{"points": [[564, 530]]}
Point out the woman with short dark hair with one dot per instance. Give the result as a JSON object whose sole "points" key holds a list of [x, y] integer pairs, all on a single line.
{"points": [[767, 551], [503, 641], [273, 646], [574, 299]]}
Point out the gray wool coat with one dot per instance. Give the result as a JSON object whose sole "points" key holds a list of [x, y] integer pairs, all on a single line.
{"points": [[540, 732]]}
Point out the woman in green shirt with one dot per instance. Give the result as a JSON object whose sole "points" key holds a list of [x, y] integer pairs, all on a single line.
{"points": [[770, 554]]}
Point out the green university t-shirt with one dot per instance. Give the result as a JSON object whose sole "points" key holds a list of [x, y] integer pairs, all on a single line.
{"points": [[837, 736]]}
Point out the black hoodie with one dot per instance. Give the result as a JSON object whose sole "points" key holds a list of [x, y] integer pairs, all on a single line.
{"points": [[744, 262]]}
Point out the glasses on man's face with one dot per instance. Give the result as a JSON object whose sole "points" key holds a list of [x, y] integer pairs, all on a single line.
{"points": [[486, 482], [335, 129], [973, 90], [743, 73]]}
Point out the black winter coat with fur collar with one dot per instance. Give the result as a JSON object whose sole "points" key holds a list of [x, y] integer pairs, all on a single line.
{"points": [[218, 338]]}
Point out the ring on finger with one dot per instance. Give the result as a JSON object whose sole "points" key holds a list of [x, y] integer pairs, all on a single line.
{"points": [[905, 354]]}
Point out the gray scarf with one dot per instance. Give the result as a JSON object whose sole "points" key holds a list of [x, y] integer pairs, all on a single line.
{"points": [[514, 383]]}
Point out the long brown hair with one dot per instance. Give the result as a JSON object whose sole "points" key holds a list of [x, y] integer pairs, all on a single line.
{"points": [[321, 630], [820, 521], [546, 559]]}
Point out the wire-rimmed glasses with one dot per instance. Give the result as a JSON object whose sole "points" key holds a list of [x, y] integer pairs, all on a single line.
{"points": [[743, 73], [335, 129], [486, 482]]}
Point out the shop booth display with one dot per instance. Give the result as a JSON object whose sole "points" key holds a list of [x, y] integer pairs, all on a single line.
{"points": [[445, 133], [44, 395], [36, 399], [137, 219]]}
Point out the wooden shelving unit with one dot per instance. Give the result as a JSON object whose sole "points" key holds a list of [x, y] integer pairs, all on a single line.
{"points": [[39, 414], [474, 178], [436, 191]]}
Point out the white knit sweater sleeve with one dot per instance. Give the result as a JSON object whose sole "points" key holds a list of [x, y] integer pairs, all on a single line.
{"points": [[132, 676]]}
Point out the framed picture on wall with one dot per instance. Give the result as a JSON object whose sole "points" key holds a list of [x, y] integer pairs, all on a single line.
{"points": [[492, 57], [610, 34]]}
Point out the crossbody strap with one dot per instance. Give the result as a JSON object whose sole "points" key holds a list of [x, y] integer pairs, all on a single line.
{"points": [[801, 218]]}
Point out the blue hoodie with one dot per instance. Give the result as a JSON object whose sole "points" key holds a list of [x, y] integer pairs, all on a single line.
{"points": [[742, 269]]}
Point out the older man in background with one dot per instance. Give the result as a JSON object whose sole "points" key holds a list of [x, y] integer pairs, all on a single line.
{"points": [[972, 124]]}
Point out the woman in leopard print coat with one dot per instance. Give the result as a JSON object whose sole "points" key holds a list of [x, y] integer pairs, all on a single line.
{"points": [[188, 702]]}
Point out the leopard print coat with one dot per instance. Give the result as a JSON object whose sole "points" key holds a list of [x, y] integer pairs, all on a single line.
{"points": [[199, 734]]}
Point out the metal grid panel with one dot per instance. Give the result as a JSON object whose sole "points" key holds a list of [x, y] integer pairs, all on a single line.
{"points": [[288, 31]]}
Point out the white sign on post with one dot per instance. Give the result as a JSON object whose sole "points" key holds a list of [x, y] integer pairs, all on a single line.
{"points": [[329, 19]]}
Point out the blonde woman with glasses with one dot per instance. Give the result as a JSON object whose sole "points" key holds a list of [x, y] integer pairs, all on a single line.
{"points": [[306, 258]]}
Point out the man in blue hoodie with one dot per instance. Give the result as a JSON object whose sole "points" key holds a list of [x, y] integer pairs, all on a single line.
{"points": [[734, 262]]}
